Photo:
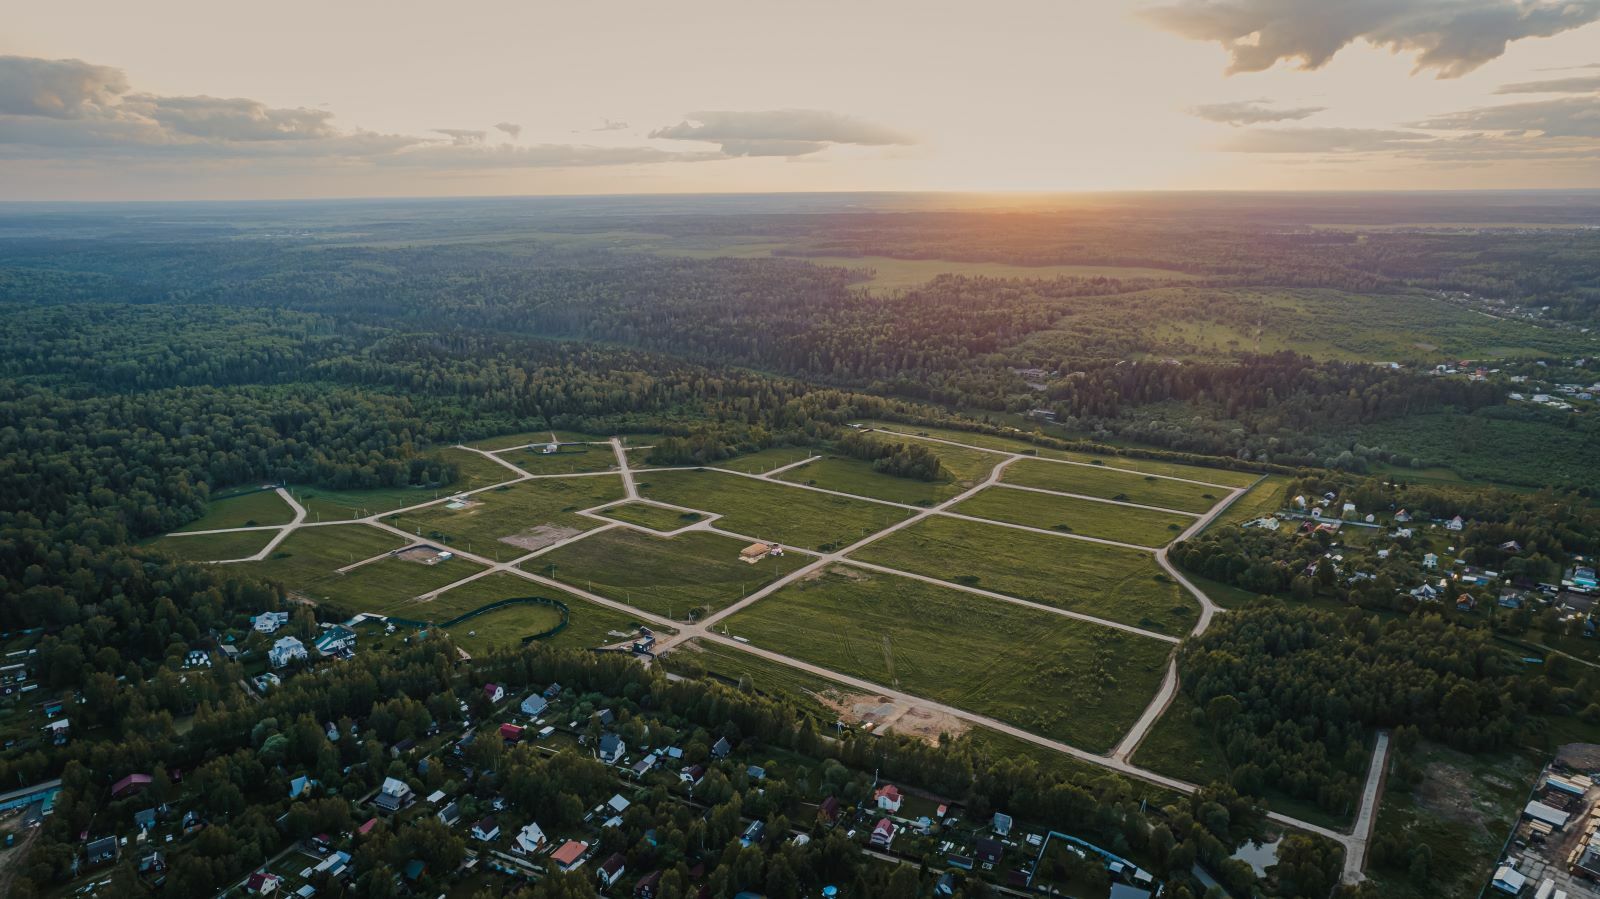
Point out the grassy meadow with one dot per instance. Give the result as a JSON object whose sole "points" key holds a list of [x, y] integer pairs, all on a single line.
{"points": [[770, 511], [1083, 517]]}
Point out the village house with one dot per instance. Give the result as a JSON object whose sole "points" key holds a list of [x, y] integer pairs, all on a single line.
{"points": [[262, 883], [1455, 524], [611, 870], [647, 886], [1430, 560], [530, 840], [269, 622], [883, 833], [286, 651], [612, 748], [394, 795], [828, 811], [721, 748], [569, 857], [335, 640], [755, 552], [487, 830], [888, 798], [495, 692], [534, 705]]}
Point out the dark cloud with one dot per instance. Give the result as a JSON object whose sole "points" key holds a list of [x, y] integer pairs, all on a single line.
{"points": [[57, 88], [780, 132], [1322, 140], [510, 128], [1449, 37], [1252, 112], [1581, 85], [1566, 117], [236, 118], [462, 137]]}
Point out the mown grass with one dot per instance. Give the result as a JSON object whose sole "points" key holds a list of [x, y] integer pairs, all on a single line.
{"points": [[1259, 501], [589, 624], [1066, 679], [1106, 483], [963, 468], [502, 513], [305, 563], [474, 470], [245, 510], [1124, 585], [507, 441], [334, 505], [763, 461], [567, 460], [214, 547], [770, 678], [767, 510], [1075, 516], [1018, 445], [388, 584], [670, 576], [657, 518]]}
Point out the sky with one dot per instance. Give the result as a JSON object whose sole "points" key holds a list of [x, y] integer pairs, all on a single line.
{"points": [[171, 99]]}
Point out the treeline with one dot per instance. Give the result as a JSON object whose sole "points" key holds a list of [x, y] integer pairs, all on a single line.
{"points": [[1292, 695], [900, 459]]}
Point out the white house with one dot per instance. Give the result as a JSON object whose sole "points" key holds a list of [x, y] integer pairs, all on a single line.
{"points": [[495, 692], [1349, 509], [486, 831], [888, 798], [286, 650], [336, 639], [530, 840], [394, 795], [1430, 561], [1455, 524], [269, 622]]}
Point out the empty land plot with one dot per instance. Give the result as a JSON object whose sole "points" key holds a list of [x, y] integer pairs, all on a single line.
{"points": [[489, 518], [508, 441], [1125, 463], [771, 678], [963, 468], [669, 576], [247, 510], [474, 470], [763, 461], [656, 518], [214, 547], [1111, 582], [1070, 680], [1075, 516], [1125, 486], [387, 584], [583, 457], [333, 505], [771, 511], [306, 562], [1259, 501], [1181, 745], [589, 624]]}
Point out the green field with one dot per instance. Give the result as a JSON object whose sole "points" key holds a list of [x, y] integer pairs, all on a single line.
{"points": [[1178, 747], [770, 678], [214, 547], [964, 468], [1076, 682], [666, 575], [763, 461], [1509, 445], [888, 273], [1018, 445], [589, 624], [569, 460], [334, 505], [656, 518], [992, 746], [389, 584], [474, 470], [246, 510], [1259, 501], [769, 511], [1130, 487], [1123, 585], [305, 563], [513, 510], [1083, 517]]}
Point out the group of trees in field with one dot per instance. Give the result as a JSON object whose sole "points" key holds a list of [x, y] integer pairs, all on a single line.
{"points": [[897, 458]]}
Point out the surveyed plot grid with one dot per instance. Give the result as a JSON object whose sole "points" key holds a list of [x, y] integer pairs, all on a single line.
{"points": [[678, 633]]}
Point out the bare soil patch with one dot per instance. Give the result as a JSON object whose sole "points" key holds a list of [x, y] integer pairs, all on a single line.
{"points": [[885, 713], [422, 555], [536, 538]]}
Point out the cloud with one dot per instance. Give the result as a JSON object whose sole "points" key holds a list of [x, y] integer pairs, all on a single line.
{"points": [[1582, 85], [1449, 37], [780, 132], [1565, 117], [1252, 112], [462, 137], [70, 110], [612, 126], [57, 88], [1322, 140]]}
